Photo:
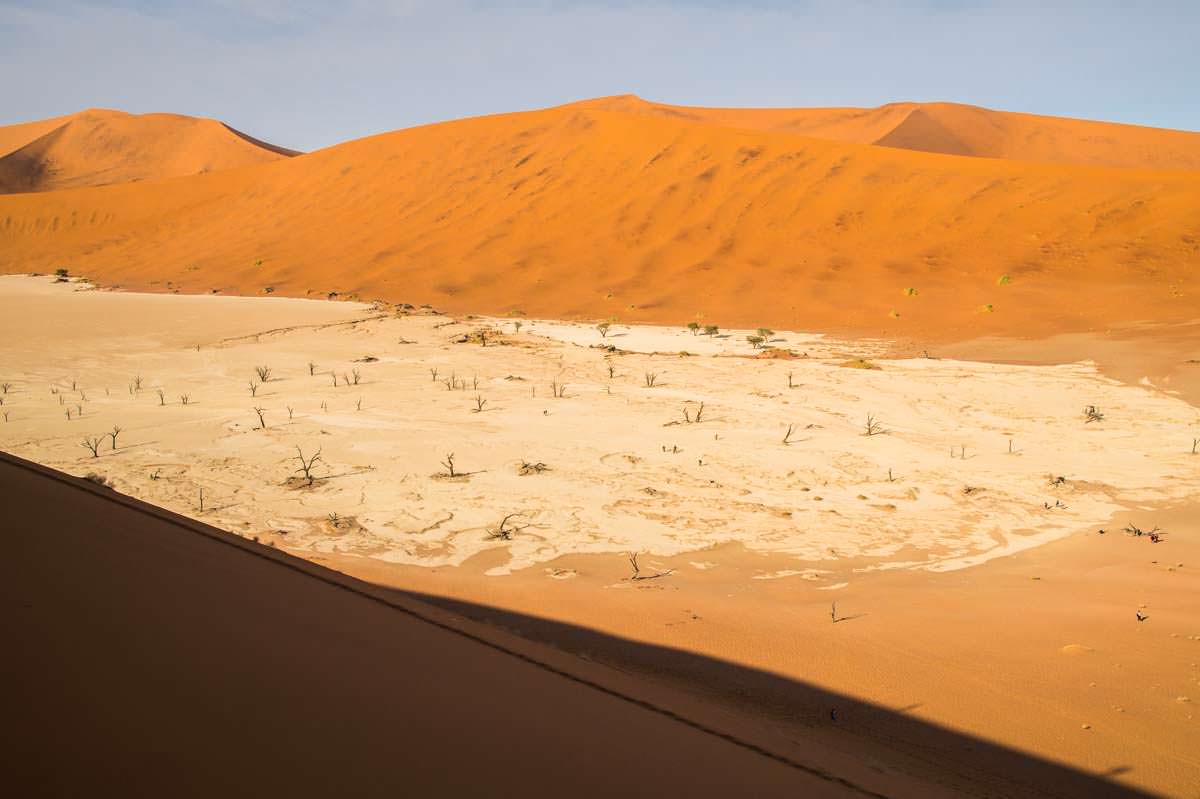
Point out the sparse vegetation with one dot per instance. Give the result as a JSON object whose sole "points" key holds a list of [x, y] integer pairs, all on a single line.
{"points": [[1092, 414], [637, 569], [699, 415], [355, 376], [558, 390], [603, 328], [479, 403], [449, 464], [312, 368], [859, 363], [787, 437], [711, 330], [694, 327], [651, 378], [755, 341], [184, 399], [263, 372], [92, 445], [526, 468], [116, 431], [307, 463], [262, 421], [254, 388], [873, 427], [162, 397], [503, 531]]}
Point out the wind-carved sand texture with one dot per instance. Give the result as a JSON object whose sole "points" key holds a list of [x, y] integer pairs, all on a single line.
{"points": [[871, 221], [587, 443]]}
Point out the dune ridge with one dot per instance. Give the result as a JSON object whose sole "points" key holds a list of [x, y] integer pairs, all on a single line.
{"points": [[584, 212], [952, 129], [98, 147]]}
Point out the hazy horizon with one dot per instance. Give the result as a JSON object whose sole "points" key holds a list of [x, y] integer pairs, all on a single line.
{"points": [[305, 76]]}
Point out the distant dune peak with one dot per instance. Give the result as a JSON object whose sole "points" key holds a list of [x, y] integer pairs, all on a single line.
{"points": [[101, 146], [919, 131]]}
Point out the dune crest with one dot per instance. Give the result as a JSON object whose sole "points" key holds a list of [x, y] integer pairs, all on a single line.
{"points": [[951, 129], [99, 147]]}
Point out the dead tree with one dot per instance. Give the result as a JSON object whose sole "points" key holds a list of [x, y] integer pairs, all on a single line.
{"points": [[92, 445], [637, 569], [306, 464], [504, 532], [261, 420], [116, 431]]}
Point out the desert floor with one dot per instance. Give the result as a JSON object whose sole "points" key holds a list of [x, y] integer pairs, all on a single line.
{"points": [[940, 537]]}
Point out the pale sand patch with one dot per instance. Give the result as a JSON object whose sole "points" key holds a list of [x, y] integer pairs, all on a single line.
{"points": [[805, 574], [627, 470]]}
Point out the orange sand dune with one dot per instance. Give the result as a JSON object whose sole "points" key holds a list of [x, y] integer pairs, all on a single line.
{"points": [[953, 129], [98, 147], [581, 211], [14, 137]]}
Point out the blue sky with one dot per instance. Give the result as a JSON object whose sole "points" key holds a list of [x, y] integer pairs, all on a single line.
{"points": [[308, 74]]}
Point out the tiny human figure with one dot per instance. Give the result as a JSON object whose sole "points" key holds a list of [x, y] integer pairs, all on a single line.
{"points": [[833, 714]]}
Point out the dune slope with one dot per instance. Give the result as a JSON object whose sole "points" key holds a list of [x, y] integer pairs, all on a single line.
{"points": [[98, 147], [581, 211]]}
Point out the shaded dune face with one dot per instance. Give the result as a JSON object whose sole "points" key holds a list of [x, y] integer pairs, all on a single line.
{"points": [[618, 207], [99, 147]]}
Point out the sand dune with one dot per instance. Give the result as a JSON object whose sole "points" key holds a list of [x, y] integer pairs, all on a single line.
{"points": [[98, 147], [954, 129], [585, 212]]}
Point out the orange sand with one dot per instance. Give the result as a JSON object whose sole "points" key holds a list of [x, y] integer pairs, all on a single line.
{"points": [[579, 211], [97, 147]]}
